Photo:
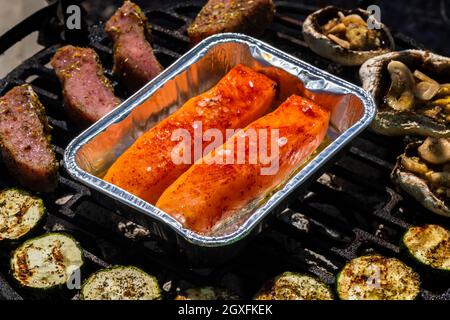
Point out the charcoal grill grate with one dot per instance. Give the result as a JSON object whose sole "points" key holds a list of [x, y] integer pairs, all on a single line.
{"points": [[349, 211]]}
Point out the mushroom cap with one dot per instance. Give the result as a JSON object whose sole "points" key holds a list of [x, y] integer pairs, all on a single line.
{"points": [[323, 46], [435, 151], [376, 80], [400, 95]]}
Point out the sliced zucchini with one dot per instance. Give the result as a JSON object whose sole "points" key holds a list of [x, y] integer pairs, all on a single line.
{"points": [[20, 213], [46, 262], [376, 277], [207, 293], [295, 286], [429, 246], [121, 283]]}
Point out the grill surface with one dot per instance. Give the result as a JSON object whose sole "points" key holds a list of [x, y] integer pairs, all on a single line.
{"points": [[351, 210]]}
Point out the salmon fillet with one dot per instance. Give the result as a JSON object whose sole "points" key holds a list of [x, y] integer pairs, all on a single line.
{"points": [[147, 168], [25, 140], [88, 94], [134, 60], [211, 191]]}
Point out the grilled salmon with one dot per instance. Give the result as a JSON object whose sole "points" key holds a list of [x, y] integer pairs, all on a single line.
{"points": [[213, 190], [147, 168]]}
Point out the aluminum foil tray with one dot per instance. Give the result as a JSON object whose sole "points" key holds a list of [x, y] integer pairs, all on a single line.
{"points": [[89, 156]]}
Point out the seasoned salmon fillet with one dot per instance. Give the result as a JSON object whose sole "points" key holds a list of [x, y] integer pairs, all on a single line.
{"points": [[147, 168], [211, 191]]}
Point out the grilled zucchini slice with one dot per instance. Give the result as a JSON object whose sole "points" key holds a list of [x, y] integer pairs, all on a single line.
{"points": [[429, 247], [295, 286], [121, 283], [376, 277], [207, 293], [20, 214], [46, 262]]}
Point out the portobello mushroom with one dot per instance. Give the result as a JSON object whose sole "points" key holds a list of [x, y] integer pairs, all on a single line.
{"points": [[376, 277], [419, 107], [295, 286], [207, 293], [20, 214], [46, 262], [121, 283], [423, 171], [343, 36], [429, 247]]}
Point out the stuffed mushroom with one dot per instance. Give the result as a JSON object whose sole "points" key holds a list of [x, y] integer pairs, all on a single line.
{"points": [[344, 36], [423, 171], [412, 91]]}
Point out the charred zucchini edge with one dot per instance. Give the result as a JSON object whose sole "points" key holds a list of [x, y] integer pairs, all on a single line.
{"points": [[267, 292], [201, 293], [87, 282], [56, 287], [32, 228], [425, 267], [375, 256]]}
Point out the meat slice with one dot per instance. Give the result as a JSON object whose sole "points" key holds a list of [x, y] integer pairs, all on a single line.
{"points": [[88, 94], [250, 17], [148, 166], [213, 189], [25, 140], [134, 60]]}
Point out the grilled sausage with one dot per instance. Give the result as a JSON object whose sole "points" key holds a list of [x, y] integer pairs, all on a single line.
{"points": [[25, 140], [134, 60], [244, 16], [211, 191], [88, 94], [147, 167]]}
